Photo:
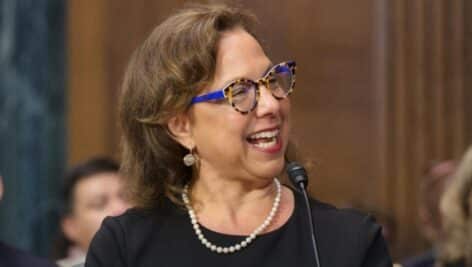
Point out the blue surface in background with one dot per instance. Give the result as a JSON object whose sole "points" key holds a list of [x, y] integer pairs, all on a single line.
{"points": [[32, 119]]}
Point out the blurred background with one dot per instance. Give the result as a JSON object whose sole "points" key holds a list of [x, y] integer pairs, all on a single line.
{"points": [[381, 92]]}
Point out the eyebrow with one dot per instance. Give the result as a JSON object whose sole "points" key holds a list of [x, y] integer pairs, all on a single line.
{"points": [[271, 65]]}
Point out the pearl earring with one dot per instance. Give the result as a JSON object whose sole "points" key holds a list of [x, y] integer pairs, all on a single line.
{"points": [[190, 158]]}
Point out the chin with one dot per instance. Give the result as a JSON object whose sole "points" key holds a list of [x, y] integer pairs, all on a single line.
{"points": [[270, 169]]}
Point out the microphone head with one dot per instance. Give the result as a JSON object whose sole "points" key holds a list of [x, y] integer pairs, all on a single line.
{"points": [[297, 174]]}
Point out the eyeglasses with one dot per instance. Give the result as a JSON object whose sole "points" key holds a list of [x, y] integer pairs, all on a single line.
{"points": [[243, 94]]}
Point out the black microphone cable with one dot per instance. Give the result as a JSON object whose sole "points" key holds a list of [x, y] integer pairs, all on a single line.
{"points": [[299, 179]]}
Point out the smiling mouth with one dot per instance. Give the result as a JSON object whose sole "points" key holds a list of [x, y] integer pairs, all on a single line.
{"points": [[265, 139]]}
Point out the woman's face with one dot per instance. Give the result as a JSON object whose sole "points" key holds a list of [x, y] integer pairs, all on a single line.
{"points": [[94, 198], [228, 143]]}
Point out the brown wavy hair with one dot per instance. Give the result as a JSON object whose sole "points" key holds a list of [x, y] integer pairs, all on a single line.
{"points": [[173, 65], [457, 217]]}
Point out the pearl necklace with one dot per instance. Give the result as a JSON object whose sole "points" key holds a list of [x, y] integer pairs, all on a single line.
{"points": [[247, 240]]}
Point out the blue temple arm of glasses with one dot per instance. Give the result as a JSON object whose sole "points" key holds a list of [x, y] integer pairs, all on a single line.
{"points": [[284, 68], [280, 69], [217, 95]]}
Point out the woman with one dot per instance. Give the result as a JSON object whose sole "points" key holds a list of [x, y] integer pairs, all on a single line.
{"points": [[456, 208], [91, 191], [205, 117]]}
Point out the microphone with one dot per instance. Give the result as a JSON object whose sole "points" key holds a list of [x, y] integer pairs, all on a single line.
{"points": [[297, 175], [299, 178]]}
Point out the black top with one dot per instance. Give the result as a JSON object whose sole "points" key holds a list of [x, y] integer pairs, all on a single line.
{"points": [[166, 238], [426, 259], [459, 263], [430, 259], [12, 257]]}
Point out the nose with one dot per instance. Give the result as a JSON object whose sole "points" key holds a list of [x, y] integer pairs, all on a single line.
{"points": [[267, 103]]}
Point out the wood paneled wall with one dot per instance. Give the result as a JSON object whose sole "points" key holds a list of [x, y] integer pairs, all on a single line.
{"points": [[381, 89], [428, 111], [90, 107]]}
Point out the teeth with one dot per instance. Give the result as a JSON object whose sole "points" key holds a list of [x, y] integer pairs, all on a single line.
{"points": [[268, 134], [272, 142]]}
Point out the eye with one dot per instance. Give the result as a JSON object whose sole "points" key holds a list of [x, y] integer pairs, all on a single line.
{"points": [[272, 79], [283, 80], [240, 90], [243, 95], [99, 203], [280, 82]]}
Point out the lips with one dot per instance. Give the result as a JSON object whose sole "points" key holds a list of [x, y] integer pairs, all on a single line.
{"points": [[266, 140]]}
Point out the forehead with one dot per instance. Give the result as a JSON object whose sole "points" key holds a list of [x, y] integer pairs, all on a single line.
{"points": [[237, 43], [96, 184], [239, 55]]}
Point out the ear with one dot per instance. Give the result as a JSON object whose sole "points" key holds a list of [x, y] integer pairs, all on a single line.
{"points": [[180, 129], [69, 228]]}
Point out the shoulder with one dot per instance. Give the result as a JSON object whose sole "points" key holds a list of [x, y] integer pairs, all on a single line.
{"points": [[348, 235], [133, 223], [345, 227], [138, 221], [10, 256], [130, 219], [346, 221], [121, 238]]}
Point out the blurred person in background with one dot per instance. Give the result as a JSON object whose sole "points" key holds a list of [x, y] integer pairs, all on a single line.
{"points": [[455, 250], [12, 257], [432, 185], [91, 191]]}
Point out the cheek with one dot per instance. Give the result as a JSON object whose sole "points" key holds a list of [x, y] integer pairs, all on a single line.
{"points": [[92, 224], [91, 219], [220, 124], [286, 106], [234, 130], [223, 139], [285, 113], [226, 137]]}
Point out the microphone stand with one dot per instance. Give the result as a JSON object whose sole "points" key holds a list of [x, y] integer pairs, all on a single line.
{"points": [[312, 230], [299, 179]]}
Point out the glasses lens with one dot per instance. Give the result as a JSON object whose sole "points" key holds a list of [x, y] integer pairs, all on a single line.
{"points": [[243, 95], [281, 80]]}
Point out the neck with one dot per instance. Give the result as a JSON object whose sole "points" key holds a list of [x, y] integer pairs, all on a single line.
{"points": [[231, 194], [232, 206]]}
